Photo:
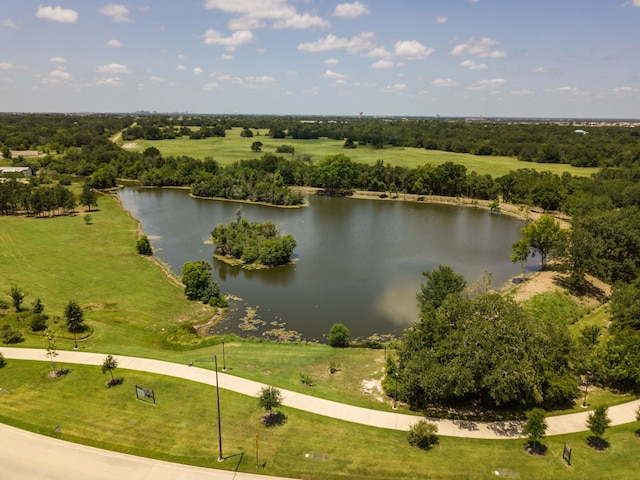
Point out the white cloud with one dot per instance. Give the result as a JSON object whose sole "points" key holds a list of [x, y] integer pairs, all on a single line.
{"points": [[624, 89], [117, 13], [210, 86], [264, 80], [631, 3], [352, 45], [301, 22], [379, 52], [6, 66], [441, 20], [252, 13], [221, 76], [331, 61], [197, 71], [182, 56], [380, 64], [412, 50], [226, 56], [155, 80], [487, 84], [351, 10], [479, 47], [110, 82], [566, 89], [114, 43], [523, 91], [445, 82], [58, 60], [113, 68], [397, 88], [213, 37], [181, 68], [57, 76], [539, 70], [330, 74], [472, 65], [57, 14], [7, 22]]}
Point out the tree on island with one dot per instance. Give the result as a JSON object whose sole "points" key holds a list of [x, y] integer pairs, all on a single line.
{"points": [[254, 242]]}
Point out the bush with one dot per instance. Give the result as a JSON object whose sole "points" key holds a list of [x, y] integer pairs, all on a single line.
{"points": [[38, 323], [423, 434], [3, 362], [143, 246], [338, 336], [9, 335]]}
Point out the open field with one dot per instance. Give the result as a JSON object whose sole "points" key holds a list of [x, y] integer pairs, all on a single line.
{"points": [[182, 427], [233, 148]]}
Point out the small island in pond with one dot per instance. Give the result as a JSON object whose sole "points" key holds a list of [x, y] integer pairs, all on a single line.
{"points": [[258, 244]]}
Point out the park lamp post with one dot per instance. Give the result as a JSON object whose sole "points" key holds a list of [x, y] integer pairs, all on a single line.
{"points": [[224, 360], [586, 388], [395, 397], [220, 457]]}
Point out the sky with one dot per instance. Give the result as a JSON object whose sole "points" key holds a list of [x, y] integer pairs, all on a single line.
{"points": [[461, 58]]}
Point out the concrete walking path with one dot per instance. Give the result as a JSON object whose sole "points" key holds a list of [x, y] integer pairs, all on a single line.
{"points": [[558, 425]]}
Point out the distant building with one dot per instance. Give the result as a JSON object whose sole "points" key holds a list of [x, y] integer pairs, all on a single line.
{"points": [[25, 171]]}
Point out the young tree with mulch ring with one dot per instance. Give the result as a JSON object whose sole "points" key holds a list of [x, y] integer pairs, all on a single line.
{"points": [[109, 365], [597, 422], [535, 430], [270, 398]]}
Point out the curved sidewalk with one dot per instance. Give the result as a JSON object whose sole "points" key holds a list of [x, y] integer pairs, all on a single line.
{"points": [[557, 425]]}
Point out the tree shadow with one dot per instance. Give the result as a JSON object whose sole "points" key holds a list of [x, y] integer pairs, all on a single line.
{"points": [[597, 443], [274, 419], [536, 448], [507, 429]]}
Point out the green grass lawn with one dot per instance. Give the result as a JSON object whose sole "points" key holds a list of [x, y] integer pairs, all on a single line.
{"points": [[182, 427], [233, 148]]}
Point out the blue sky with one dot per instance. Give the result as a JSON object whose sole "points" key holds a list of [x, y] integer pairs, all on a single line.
{"points": [[542, 58]]}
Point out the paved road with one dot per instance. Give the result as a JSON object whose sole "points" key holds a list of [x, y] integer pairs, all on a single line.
{"points": [[27, 454]]}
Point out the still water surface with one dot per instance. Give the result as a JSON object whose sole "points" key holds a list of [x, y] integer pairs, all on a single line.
{"points": [[357, 262]]}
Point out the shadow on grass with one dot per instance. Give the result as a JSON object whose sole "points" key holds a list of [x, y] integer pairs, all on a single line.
{"points": [[536, 448], [273, 419], [597, 443]]}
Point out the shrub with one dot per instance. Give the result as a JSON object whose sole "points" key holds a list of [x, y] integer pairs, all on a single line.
{"points": [[338, 336], [38, 323], [10, 335], [3, 362], [306, 380], [334, 366], [4, 304], [423, 434], [143, 246]]}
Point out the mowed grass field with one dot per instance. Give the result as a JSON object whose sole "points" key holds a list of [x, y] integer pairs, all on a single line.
{"points": [[182, 427], [233, 148]]}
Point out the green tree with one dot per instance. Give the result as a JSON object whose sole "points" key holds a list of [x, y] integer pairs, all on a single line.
{"points": [[598, 421], [143, 246], [17, 296], [3, 362], [269, 398], [109, 365], [440, 283], [38, 306], [88, 197], [256, 146], [198, 284], [335, 173], [536, 427], [75, 320], [521, 252], [338, 336], [543, 236], [50, 339], [625, 305]]}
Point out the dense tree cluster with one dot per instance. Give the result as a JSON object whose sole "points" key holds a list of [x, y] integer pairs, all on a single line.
{"points": [[486, 350], [198, 284], [35, 200], [253, 242]]}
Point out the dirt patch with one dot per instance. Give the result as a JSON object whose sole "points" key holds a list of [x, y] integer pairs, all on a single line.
{"points": [[373, 387], [130, 145]]}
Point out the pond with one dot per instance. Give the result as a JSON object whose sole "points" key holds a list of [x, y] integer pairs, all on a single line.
{"points": [[357, 262]]}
